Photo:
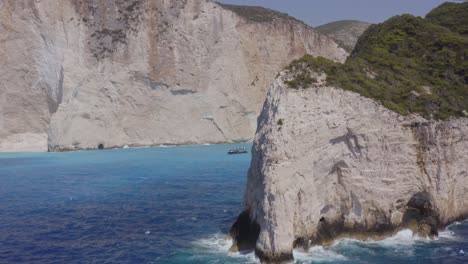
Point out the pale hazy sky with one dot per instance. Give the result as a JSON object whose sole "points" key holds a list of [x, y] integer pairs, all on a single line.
{"points": [[318, 12]]}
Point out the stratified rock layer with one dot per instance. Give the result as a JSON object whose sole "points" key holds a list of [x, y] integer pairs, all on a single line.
{"points": [[328, 162], [78, 74]]}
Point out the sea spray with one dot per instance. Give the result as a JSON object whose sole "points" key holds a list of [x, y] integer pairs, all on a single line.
{"points": [[317, 254], [219, 244]]}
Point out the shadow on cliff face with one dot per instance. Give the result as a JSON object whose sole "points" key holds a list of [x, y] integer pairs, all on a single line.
{"points": [[421, 216], [245, 233]]}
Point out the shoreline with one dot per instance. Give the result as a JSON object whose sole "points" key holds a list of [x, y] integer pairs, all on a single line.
{"points": [[244, 235], [400, 237], [404, 238], [127, 146]]}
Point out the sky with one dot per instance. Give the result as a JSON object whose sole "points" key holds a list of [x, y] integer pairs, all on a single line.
{"points": [[319, 12]]}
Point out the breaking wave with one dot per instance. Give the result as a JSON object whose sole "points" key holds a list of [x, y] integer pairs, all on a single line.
{"points": [[218, 244], [403, 244], [317, 254]]}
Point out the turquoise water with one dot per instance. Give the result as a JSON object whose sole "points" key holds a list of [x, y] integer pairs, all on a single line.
{"points": [[157, 205]]}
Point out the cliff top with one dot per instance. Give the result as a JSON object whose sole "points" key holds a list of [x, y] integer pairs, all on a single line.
{"points": [[345, 32], [340, 25], [451, 15], [409, 64], [259, 14]]}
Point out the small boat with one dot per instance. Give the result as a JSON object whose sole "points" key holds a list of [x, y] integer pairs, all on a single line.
{"points": [[237, 151]]}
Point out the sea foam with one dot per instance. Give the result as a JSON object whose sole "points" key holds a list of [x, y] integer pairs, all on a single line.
{"points": [[317, 254], [219, 244], [403, 242]]}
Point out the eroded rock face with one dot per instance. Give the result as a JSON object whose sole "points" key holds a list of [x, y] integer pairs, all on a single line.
{"points": [[245, 232], [339, 164], [140, 72]]}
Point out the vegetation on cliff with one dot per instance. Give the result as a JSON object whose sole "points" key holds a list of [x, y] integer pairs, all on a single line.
{"points": [[451, 15], [345, 32], [409, 64], [258, 14]]}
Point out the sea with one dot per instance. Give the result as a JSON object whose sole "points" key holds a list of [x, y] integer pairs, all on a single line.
{"points": [[159, 205]]}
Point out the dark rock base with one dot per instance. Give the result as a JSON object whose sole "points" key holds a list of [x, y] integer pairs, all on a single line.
{"points": [[244, 232], [274, 259]]}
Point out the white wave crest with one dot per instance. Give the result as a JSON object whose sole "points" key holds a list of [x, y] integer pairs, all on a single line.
{"points": [[403, 242], [317, 254], [447, 234], [220, 244], [404, 237], [217, 242]]}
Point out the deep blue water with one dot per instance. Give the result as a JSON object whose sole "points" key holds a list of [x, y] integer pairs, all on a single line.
{"points": [[156, 205]]}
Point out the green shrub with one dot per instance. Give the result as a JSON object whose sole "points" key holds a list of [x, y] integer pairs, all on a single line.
{"points": [[258, 14], [392, 61]]}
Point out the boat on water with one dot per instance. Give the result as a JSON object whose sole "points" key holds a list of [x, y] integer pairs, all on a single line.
{"points": [[237, 151]]}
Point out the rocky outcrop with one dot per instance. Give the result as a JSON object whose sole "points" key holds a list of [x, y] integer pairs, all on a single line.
{"points": [[329, 163], [345, 32], [89, 73]]}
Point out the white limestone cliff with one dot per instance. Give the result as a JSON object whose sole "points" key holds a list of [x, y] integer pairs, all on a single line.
{"points": [[328, 163], [88, 73]]}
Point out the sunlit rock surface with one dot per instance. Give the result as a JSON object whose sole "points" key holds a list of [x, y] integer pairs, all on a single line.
{"points": [[85, 73], [328, 163]]}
